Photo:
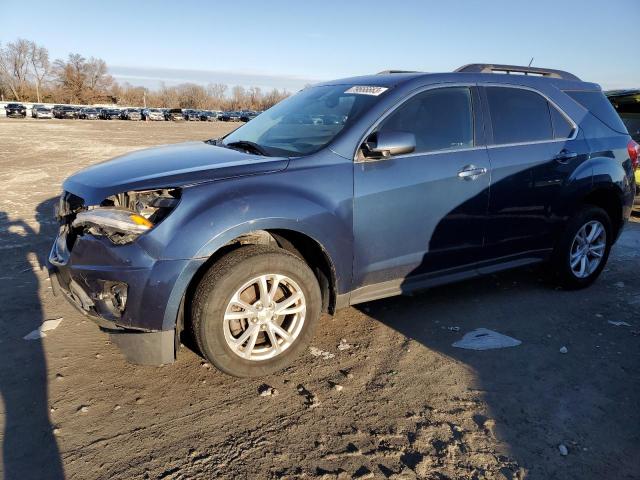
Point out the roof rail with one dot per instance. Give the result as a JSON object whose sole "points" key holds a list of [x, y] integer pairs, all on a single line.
{"points": [[385, 72], [491, 68]]}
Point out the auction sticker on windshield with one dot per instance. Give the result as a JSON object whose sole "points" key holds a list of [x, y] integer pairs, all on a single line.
{"points": [[366, 90]]}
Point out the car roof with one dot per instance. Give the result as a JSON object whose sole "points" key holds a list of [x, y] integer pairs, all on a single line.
{"points": [[396, 78]]}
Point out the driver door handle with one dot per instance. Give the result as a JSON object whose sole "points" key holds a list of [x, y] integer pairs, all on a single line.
{"points": [[471, 172]]}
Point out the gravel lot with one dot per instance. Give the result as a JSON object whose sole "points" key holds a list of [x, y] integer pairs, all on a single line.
{"points": [[411, 405]]}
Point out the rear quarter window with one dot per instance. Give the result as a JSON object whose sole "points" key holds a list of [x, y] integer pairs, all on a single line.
{"points": [[599, 107]]}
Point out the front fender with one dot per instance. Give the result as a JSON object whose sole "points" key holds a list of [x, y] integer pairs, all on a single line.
{"points": [[343, 276], [313, 198]]}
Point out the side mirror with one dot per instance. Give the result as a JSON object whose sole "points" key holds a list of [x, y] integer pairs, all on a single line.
{"points": [[389, 143]]}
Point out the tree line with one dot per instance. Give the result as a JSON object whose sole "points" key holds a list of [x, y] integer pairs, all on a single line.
{"points": [[28, 75]]}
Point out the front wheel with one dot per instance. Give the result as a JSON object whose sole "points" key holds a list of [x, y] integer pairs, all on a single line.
{"points": [[583, 250], [255, 310]]}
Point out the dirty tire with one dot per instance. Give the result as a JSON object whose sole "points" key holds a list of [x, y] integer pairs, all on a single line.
{"points": [[215, 290], [560, 263]]}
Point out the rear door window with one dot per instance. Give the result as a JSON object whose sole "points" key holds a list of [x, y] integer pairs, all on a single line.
{"points": [[441, 119], [518, 115]]}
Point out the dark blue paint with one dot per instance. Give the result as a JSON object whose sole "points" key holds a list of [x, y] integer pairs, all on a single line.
{"points": [[377, 221]]}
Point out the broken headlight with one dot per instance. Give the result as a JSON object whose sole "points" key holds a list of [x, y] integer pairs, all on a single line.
{"points": [[125, 216]]}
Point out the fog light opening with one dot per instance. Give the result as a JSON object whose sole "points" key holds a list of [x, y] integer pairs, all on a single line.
{"points": [[119, 294], [114, 297]]}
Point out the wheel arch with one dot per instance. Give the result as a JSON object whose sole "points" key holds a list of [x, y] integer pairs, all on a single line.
{"points": [[300, 244], [610, 199]]}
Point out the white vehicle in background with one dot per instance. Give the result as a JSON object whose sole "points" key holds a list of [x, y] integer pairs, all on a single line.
{"points": [[130, 114], [152, 114], [38, 111], [34, 107]]}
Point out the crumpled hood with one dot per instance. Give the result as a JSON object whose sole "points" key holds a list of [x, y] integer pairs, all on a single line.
{"points": [[167, 166]]}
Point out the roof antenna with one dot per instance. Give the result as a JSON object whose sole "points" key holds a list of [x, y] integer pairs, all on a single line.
{"points": [[530, 62]]}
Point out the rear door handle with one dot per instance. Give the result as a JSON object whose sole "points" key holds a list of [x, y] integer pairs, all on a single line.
{"points": [[471, 172], [564, 156]]}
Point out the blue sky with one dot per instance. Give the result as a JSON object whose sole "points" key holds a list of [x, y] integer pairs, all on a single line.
{"points": [[287, 44]]}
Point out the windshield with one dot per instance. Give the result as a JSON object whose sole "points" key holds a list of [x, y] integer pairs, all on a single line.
{"points": [[306, 122]]}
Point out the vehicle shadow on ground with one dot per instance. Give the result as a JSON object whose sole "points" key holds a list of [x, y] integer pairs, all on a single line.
{"points": [[538, 397], [29, 448]]}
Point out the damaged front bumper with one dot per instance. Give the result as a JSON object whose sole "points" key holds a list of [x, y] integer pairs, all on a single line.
{"points": [[122, 289]]}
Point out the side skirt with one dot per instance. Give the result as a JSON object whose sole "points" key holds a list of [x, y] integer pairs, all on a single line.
{"points": [[407, 286]]}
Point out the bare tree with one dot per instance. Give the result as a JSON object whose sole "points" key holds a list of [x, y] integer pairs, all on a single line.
{"points": [[70, 77], [273, 97], [255, 97], [217, 93], [130, 95], [27, 75], [165, 97], [40, 66], [98, 80], [82, 80], [238, 98], [14, 66], [192, 95]]}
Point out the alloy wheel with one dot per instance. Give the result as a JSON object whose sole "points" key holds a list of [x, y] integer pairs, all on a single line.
{"points": [[264, 317], [588, 248]]}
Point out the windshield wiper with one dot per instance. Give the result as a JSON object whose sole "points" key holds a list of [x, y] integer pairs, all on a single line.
{"points": [[247, 145]]}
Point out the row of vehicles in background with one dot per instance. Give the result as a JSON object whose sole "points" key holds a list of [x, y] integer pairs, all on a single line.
{"points": [[18, 110]]}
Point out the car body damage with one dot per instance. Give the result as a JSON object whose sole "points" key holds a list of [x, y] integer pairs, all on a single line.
{"points": [[340, 177]]}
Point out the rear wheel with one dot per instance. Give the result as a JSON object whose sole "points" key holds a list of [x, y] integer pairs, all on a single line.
{"points": [[255, 310], [583, 250]]}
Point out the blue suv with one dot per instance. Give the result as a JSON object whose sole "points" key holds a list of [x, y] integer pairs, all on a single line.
{"points": [[349, 191]]}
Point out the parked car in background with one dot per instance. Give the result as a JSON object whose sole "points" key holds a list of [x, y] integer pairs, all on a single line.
{"points": [[191, 115], [174, 114], [430, 178], [130, 114], [209, 115], [110, 113], [41, 112], [55, 109], [230, 116], [65, 112], [627, 104], [247, 115], [15, 110], [152, 114], [34, 107], [89, 113]]}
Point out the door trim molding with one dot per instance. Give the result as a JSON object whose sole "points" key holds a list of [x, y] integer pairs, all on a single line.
{"points": [[409, 285]]}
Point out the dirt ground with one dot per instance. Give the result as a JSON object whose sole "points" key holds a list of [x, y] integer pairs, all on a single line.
{"points": [[411, 405]]}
